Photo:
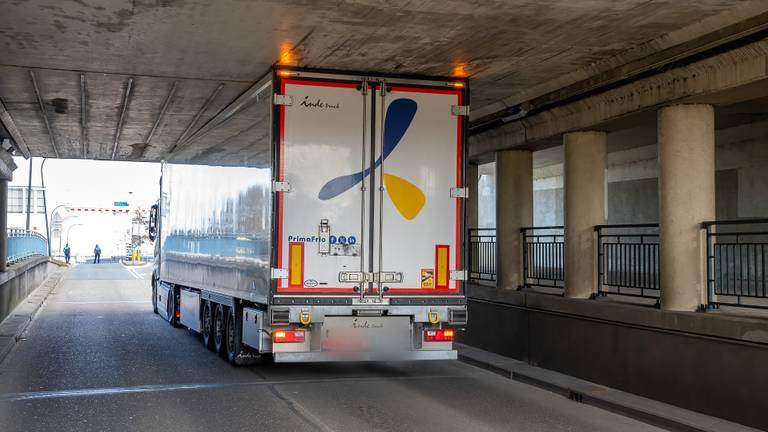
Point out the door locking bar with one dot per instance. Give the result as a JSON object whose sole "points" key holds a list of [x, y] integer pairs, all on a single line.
{"points": [[368, 277]]}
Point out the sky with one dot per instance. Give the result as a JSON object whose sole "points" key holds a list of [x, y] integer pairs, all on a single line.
{"points": [[90, 183]]}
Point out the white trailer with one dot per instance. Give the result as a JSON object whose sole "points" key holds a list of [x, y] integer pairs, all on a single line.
{"points": [[340, 238]]}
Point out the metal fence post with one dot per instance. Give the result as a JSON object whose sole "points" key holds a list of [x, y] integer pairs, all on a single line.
{"points": [[3, 224], [600, 267], [524, 245]]}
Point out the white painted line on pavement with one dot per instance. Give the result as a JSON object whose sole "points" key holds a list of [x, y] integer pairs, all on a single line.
{"points": [[133, 272], [105, 391]]}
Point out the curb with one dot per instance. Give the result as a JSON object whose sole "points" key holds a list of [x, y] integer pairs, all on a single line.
{"points": [[629, 405], [14, 325]]}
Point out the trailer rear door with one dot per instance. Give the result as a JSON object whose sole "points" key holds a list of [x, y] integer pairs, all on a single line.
{"points": [[322, 227], [371, 175], [417, 220]]}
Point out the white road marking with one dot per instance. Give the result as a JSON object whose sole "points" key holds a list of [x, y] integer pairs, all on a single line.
{"points": [[106, 391], [133, 272]]}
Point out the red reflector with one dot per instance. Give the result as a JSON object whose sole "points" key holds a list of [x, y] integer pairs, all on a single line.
{"points": [[445, 335], [288, 336]]}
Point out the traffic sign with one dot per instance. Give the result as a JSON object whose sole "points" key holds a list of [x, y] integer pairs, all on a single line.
{"points": [[121, 204]]}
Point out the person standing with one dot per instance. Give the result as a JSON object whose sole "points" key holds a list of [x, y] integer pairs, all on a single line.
{"points": [[66, 253], [96, 254]]}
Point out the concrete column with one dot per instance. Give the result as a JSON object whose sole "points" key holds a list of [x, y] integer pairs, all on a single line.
{"points": [[474, 196], [585, 161], [514, 210], [3, 223], [686, 198]]}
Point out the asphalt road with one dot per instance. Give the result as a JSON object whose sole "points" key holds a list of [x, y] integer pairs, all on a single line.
{"points": [[97, 359]]}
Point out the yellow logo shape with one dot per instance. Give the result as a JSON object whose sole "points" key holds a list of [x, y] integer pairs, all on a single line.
{"points": [[406, 196]]}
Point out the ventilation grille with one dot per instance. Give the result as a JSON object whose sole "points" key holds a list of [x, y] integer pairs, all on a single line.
{"points": [[457, 316], [281, 316]]}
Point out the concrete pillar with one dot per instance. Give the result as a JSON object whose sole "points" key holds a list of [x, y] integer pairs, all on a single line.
{"points": [[585, 161], [3, 223], [474, 196], [514, 210], [686, 198]]}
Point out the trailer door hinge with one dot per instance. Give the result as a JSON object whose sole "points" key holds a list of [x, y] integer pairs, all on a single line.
{"points": [[460, 110], [459, 192], [283, 100], [281, 186], [459, 275], [279, 273]]}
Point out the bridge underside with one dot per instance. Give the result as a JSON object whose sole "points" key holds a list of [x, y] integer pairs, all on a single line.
{"points": [[136, 80]]}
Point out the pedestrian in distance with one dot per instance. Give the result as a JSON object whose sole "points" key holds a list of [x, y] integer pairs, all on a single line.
{"points": [[96, 255], [66, 253]]}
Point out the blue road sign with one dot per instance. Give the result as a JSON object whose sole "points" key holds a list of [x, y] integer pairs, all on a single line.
{"points": [[121, 204]]}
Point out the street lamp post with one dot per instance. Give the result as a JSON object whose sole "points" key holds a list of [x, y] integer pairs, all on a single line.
{"points": [[51, 218], [62, 226], [70, 229]]}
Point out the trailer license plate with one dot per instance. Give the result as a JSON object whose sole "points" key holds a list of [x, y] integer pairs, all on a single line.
{"points": [[366, 334]]}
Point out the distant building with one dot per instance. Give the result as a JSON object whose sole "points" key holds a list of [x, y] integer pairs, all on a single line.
{"points": [[17, 206]]}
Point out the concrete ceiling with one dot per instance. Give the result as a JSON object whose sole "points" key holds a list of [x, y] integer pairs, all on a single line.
{"points": [[194, 57]]}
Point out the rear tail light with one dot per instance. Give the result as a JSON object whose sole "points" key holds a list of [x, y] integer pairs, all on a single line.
{"points": [[444, 335], [288, 336]]}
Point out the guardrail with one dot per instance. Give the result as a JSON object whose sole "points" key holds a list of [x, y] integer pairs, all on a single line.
{"points": [[543, 256], [482, 254], [23, 244], [737, 262], [628, 260]]}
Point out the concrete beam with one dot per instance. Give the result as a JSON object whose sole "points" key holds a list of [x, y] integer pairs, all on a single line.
{"points": [[121, 119], [160, 116], [238, 105], [18, 141], [84, 115], [697, 38], [204, 108], [43, 114], [710, 77], [7, 166]]}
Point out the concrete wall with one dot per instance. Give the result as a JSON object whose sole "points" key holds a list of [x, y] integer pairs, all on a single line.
{"points": [[20, 280], [710, 363]]}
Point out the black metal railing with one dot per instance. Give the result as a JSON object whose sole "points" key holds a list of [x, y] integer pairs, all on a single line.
{"points": [[737, 262], [628, 260], [543, 256], [482, 254]]}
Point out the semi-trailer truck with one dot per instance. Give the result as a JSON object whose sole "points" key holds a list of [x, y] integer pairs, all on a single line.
{"points": [[337, 238]]}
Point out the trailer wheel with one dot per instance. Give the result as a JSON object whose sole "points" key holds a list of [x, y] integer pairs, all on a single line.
{"points": [[219, 331], [237, 353], [207, 324]]}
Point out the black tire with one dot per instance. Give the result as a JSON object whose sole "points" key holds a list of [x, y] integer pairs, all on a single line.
{"points": [[154, 294], [207, 325], [237, 353], [219, 330]]}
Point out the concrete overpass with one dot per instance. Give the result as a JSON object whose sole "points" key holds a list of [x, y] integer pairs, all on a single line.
{"points": [[136, 81], [653, 110]]}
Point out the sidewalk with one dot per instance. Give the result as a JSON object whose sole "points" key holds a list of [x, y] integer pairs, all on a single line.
{"points": [[14, 325], [644, 409]]}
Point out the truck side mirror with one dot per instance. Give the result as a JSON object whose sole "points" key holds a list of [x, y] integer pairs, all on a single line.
{"points": [[152, 229]]}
